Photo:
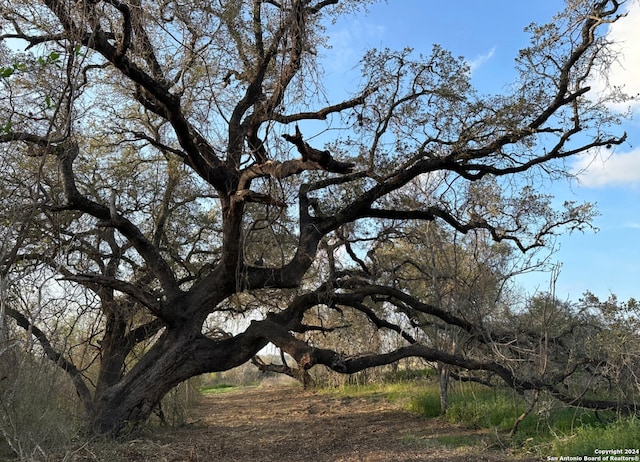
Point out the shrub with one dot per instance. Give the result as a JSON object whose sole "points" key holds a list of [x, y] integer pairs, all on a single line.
{"points": [[426, 404]]}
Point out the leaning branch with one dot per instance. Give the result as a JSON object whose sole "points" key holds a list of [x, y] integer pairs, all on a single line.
{"points": [[137, 293], [308, 356]]}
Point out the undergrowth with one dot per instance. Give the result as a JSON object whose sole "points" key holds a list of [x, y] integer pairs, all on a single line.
{"points": [[551, 429], [623, 434]]}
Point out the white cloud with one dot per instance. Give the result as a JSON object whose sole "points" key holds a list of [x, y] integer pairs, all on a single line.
{"points": [[350, 42], [624, 72], [602, 169], [478, 61]]}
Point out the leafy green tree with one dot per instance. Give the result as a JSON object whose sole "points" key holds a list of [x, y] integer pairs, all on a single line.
{"points": [[178, 192]]}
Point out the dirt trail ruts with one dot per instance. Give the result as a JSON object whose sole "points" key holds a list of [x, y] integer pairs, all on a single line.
{"points": [[287, 424]]}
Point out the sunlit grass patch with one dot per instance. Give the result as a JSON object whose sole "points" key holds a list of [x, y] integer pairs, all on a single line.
{"points": [[388, 391], [219, 388], [412, 440]]}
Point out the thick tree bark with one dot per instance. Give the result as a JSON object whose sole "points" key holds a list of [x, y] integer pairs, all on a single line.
{"points": [[178, 355]]}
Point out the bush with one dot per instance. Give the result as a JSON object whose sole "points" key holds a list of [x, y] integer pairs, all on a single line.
{"points": [[426, 404], [247, 374]]}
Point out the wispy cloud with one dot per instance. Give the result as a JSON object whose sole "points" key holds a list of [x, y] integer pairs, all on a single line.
{"points": [[349, 43], [624, 72], [603, 169], [478, 61]]}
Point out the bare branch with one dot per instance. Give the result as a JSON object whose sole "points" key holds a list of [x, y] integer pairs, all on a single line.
{"points": [[56, 357], [322, 114], [142, 296], [66, 154]]}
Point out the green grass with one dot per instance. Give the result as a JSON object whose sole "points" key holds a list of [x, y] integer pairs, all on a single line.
{"points": [[219, 388], [550, 429], [622, 434], [425, 404], [564, 430]]}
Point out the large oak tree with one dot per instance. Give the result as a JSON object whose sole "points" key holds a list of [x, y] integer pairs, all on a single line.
{"points": [[167, 185]]}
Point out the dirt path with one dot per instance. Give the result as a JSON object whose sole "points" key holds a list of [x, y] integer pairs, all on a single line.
{"points": [[286, 424]]}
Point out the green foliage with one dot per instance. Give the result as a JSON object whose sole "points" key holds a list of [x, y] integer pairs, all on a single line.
{"points": [[51, 58], [484, 408], [8, 71], [624, 433], [426, 404]]}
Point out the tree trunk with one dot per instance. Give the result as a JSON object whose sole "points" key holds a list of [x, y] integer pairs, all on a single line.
{"points": [[443, 380], [179, 354], [114, 349], [126, 405]]}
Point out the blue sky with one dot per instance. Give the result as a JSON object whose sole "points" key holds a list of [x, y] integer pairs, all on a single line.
{"points": [[488, 34]]}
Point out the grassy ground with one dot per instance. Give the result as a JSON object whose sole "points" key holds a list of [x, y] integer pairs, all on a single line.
{"points": [[550, 430], [286, 423], [381, 422]]}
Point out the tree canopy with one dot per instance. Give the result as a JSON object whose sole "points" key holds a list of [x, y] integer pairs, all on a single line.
{"points": [[161, 183]]}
